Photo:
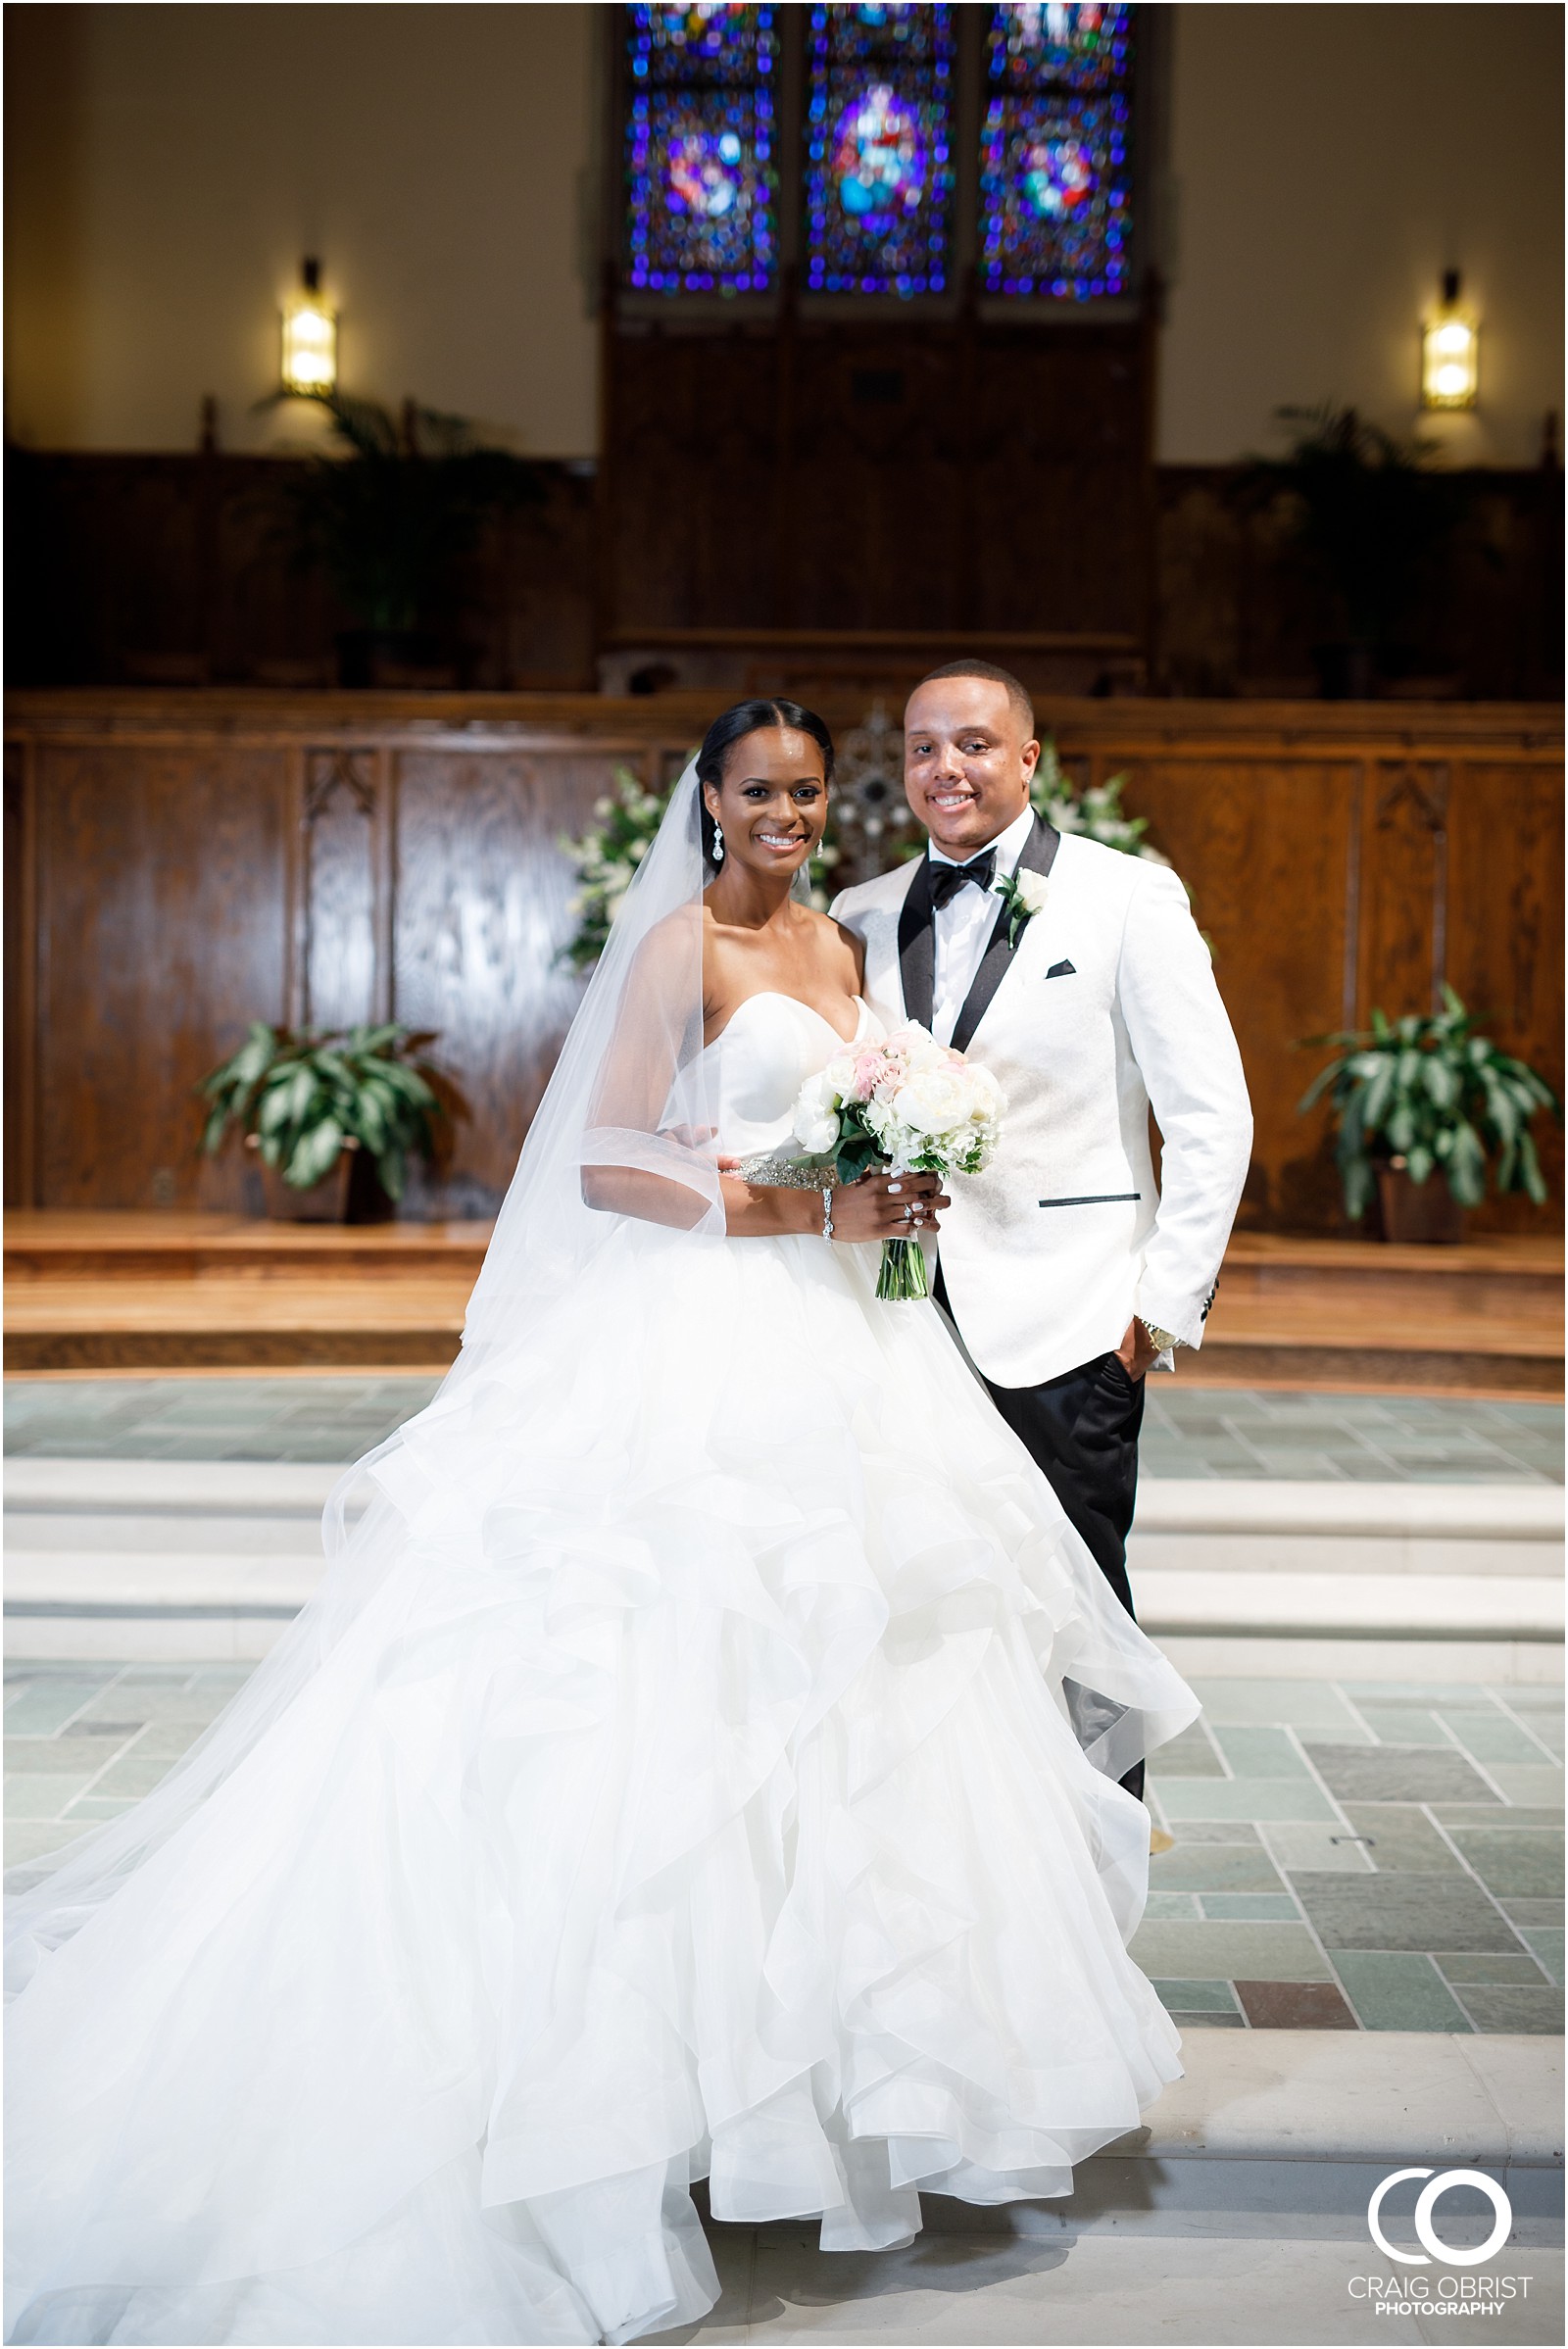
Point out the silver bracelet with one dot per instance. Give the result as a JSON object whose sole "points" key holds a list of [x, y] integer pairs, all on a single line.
{"points": [[827, 1212]]}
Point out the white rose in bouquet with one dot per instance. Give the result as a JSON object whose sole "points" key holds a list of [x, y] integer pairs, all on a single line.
{"points": [[933, 1101]]}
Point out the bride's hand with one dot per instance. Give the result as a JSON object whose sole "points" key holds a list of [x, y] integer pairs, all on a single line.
{"points": [[887, 1207]]}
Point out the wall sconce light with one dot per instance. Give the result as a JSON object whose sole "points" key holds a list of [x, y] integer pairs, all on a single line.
{"points": [[310, 338], [1450, 351]]}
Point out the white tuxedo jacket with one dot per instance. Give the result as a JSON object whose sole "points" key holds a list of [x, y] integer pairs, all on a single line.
{"points": [[1106, 1006]]}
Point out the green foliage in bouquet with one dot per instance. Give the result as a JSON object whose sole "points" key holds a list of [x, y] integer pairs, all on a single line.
{"points": [[1430, 1095], [304, 1096]]}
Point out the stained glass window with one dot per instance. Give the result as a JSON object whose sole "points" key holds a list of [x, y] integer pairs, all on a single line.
{"points": [[700, 142], [879, 148], [1056, 153]]}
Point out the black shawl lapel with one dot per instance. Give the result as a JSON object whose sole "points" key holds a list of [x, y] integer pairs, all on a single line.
{"points": [[917, 946], [1038, 856]]}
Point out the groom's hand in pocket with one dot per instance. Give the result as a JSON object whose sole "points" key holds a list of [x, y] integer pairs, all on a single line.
{"points": [[1137, 1353]]}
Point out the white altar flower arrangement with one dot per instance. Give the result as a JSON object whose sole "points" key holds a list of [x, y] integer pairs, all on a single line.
{"points": [[1095, 814], [909, 1105]]}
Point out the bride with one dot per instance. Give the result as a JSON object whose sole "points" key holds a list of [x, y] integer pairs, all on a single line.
{"points": [[700, 1760]]}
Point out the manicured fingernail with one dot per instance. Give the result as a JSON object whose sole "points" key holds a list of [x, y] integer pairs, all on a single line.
{"points": [[894, 1189]]}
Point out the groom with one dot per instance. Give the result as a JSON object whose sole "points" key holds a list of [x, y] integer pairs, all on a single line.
{"points": [[1078, 976]]}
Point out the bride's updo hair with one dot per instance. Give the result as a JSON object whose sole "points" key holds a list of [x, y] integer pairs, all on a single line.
{"points": [[751, 718]]}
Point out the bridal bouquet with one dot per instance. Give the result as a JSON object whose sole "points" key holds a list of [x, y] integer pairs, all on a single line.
{"points": [[908, 1104]]}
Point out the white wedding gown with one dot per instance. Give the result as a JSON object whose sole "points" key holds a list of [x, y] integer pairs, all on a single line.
{"points": [[694, 1793]]}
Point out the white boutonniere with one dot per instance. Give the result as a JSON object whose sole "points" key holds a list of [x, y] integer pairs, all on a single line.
{"points": [[1024, 895]]}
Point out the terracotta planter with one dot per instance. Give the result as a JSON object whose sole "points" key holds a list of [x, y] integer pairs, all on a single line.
{"points": [[1422, 1214], [325, 1201]]}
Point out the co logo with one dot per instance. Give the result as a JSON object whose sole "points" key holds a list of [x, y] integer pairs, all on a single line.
{"points": [[1431, 2242]]}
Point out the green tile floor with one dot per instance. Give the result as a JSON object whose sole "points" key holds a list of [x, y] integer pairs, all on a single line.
{"points": [[1381, 1854], [1188, 1430], [1409, 1892]]}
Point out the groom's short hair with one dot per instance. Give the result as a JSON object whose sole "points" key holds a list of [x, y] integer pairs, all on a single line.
{"points": [[1023, 708]]}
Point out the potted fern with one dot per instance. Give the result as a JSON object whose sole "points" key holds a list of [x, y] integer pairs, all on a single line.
{"points": [[1420, 1098], [308, 1103]]}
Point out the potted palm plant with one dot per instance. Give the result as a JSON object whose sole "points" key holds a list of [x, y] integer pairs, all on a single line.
{"points": [[1369, 514], [1420, 1098], [308, 1103], [389, 514]]}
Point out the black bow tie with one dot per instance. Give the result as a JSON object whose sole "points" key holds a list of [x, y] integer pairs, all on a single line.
{"points": [[948, 879]]}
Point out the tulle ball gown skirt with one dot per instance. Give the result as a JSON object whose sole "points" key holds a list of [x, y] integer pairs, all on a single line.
{"points": [[682, 1774]]}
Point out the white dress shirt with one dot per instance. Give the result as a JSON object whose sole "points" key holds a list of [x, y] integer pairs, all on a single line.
{"points": [[964, 924]]}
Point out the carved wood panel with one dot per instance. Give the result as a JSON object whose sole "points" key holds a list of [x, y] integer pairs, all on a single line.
{"points": [[160, 936], [481, 916]]}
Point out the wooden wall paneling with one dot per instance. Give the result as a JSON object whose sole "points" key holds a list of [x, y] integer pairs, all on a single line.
{"points": [[878, 484], [343, 815], [1059, 450], [694, 419], [482, 893], [1245, 833], [1403, 912], [1505, 933], [20, 973], [161, 935]]}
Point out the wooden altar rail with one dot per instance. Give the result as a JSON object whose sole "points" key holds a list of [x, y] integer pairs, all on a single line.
{"points": [[182, 863]]}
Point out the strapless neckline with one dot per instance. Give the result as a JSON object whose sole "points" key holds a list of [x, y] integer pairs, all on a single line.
{"points": [[776, 995]]}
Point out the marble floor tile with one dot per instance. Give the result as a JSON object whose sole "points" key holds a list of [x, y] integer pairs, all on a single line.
{"points": [[1404, 1725], [1196, 1997], [1461, 1965], [1295, 2006], [75, 1754], [44, 1795], [1217, 1831], [1314, 1707], [1234, 1953], [1214, 1868], [1400, 1839], [33, 1839], [1525, 1783], [1332, 1845], [1547, 1943], [42, 1706], [1504, 2007], [1397, 1990], [1259, 1908], [1400, 1912], [1487, 1814], [1396, 1773], [1172, 1904], [1531, 1913], [1256, 1751], [1491, 1736], [1253, 1798], [1525, 1862]]}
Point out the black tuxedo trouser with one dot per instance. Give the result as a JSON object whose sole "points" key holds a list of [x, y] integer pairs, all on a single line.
{"points": [[1081, 1429]]}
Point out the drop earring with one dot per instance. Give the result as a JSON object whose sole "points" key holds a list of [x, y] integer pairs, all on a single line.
{"points": [[718, 846]]}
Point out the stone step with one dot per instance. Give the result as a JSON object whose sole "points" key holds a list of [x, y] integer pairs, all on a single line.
{"points": [[228, 1552]]}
